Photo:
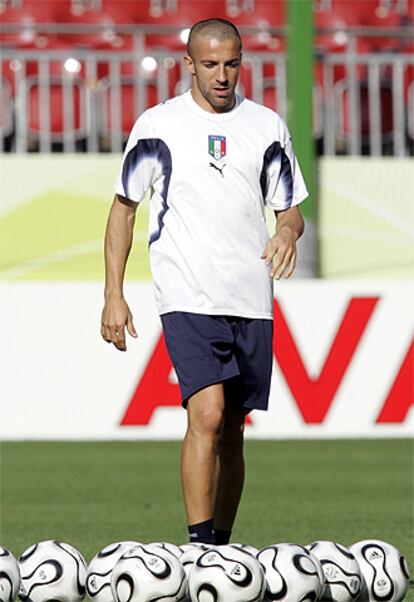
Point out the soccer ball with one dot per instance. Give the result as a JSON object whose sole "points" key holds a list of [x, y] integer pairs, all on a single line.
{"points": [[52, 570], [191, 553], [187, 546], [146, 573], [98, 580], [321, 574], [385, 574], [342, 573], [291, 573], [247, 548], [171, 547], [226, 574], [9, 576]]}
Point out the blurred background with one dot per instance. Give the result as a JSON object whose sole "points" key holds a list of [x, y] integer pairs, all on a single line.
{"points": [[75, 74]]}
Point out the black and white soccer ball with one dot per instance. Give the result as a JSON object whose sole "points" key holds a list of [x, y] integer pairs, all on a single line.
{"points": [[385, 573], [9, 576], [191, 553], [291, 573], [171, 547], [343, 578], [226, 574], [185, 547], [146, 573], [247, 548], [52, 571], [98, 579]]}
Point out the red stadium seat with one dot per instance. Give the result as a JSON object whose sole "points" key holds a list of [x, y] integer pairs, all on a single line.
{"points": [[270, 12], [46, 11], [331, 32], [6, 108], [129, 67], [333, 37], [386, 104], [351, 11], [264, 41], [408, 70], [105, 23], [128, 105], [270, 99], [165, 41], [64, 63], [122, 44], [25, 27], [249, 77], [8, 68], [381, 17], [410, 110], [143, 11], [125, 11], [410, 11], [56, 115]]}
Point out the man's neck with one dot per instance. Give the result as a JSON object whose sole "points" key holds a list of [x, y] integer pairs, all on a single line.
{"points": [[204, 104]]}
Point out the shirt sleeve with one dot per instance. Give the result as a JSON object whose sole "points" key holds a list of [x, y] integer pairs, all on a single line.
{"points": [[139, 169], [282, 182]]}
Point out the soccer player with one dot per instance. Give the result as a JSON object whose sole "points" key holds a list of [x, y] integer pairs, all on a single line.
{"points": [[213, 161]]}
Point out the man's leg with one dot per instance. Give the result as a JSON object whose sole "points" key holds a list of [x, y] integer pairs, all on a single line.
{"points": [[199, 465], [231, 473]]}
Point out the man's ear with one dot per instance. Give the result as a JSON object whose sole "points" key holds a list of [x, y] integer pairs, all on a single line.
{"points": [[189, 63]]}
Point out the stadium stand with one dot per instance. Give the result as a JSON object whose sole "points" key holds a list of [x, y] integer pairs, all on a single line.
{"points": [[124, 12], [46, 11], [365, 126], [87, 20], [56, 106], [105, 61], [6, 112], [112, 120], [258, 13], [23, 30]]}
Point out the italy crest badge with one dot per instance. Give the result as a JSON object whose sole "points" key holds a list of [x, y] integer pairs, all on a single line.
{"points": [[217, 146]]}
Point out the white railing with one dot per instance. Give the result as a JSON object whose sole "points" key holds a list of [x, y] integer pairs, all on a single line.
{"points": [[83, 100]]}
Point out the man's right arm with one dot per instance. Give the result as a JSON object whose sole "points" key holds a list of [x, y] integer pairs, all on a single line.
{"points": [[116, 314]]}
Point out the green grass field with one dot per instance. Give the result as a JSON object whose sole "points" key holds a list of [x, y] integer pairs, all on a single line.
{"points": [[93, 493]]}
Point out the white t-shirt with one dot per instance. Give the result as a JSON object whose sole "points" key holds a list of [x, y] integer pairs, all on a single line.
{"points": [[211, 175]]}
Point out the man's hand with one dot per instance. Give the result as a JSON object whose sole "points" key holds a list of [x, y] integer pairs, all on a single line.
{"points": [[281, 252], [115, 316]]}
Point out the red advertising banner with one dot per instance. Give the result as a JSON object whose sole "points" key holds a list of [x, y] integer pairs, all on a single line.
{"points": [[343, 365]]}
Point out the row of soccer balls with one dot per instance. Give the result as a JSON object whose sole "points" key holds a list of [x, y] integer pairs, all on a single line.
{"points": [[53, 571]]}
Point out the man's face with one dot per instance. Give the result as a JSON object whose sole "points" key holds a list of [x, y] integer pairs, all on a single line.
{"points": [[215, 67]]}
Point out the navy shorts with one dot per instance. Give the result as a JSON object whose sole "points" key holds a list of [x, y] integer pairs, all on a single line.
{"points": [[208, 349]]}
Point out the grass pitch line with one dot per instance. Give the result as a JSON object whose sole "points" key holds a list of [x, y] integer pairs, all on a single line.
{"points": [[59, 256], [54, 257], [371, 206]]}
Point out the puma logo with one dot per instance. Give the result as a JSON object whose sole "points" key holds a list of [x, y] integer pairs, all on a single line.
{"points": [[218, 168]]}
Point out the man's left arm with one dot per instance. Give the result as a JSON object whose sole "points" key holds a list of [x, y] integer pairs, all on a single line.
{"points": [[281, 248]]}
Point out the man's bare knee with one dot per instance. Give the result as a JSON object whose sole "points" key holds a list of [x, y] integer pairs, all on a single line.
{"points": [[207, 421], [232, 437], [206, 413]]}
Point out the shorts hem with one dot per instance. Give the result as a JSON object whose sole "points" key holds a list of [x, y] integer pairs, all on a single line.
{"points": [[207, 383], [255, 406], [210, 311]]}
